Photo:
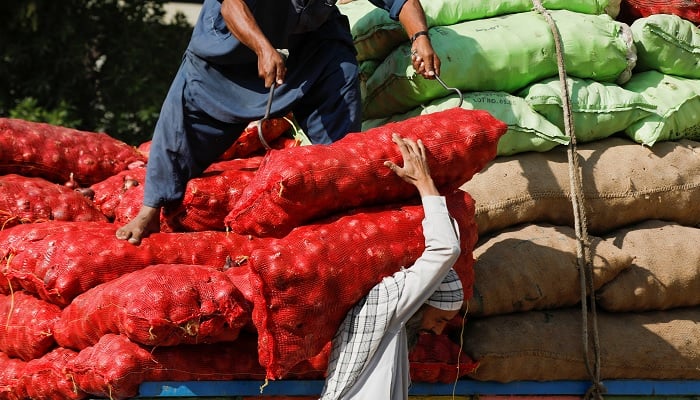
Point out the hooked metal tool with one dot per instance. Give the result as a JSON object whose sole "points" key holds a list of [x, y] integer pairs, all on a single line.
{"points": [[284, 53], [459, 93], [267, 116]]}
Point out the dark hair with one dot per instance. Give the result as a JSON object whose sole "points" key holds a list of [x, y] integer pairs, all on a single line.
{"points": [[413, 328]]}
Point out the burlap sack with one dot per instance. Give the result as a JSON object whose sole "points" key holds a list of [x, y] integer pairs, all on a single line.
{"points": [[548, 345], [534, 267], [666, 269], [623, 183]]}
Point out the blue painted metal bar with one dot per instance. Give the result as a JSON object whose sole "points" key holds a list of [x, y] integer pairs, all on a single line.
{"points": [[462, 387]]}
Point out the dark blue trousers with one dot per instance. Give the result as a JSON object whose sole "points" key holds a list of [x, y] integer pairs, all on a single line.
{"points": [[208, 106]]}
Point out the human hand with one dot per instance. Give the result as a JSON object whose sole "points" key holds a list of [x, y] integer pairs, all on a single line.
{"points": [[423, 57], [415, 168], [271, 67]]}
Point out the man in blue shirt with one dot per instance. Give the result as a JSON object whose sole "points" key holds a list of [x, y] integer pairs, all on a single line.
{"points": [[223, 83]]}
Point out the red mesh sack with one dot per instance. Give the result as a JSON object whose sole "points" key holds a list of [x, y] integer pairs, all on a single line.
{"points": [[44, 377], [113, 368], [209, 198], [60, 263], [128, 202], [206, 202], [286, 142], [6, 284], [160, 305], [236, 360], [298, 185], [306, 282], [26, 331], [633, 9], [109, 193], [16, 236], [249, 141], [238, 271], [25, 200], [462, 207], [10, 374], [145, 148], [54, 152], [437, 359]]}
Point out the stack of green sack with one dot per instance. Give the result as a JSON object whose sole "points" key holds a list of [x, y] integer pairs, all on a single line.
{"points": [[639, 80]]}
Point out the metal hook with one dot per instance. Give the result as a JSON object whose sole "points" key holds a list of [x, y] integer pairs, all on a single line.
{"points": [[459, 93], [267, 115]]}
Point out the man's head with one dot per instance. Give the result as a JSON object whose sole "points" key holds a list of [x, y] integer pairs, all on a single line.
{"points": [[443, 304], [438, 310]]}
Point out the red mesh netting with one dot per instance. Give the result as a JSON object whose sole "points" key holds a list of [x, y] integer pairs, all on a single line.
{"points": [[225, 361], [60, 260], [111, 192], [306, 282], [164, 305], [249, 142], [207, 200], [145, 148], [238, 271], [45, 378], [633, 9], [54, 152], [436, 358], [298, 185], [17, 235], [210, 197], [10, 373], [27, 324], [25, 200], [6, 284], [113, 368]]}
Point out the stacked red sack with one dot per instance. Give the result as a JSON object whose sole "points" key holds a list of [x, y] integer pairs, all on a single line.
{"points": [[96, 316]]}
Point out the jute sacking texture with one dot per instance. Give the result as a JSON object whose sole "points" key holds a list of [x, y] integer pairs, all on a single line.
{"points": [[623, 183], [547, 345], [666, 269], [534, 267]]}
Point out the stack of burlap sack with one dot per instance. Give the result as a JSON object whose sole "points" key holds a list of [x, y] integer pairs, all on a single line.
{"points": [[635, 102]]}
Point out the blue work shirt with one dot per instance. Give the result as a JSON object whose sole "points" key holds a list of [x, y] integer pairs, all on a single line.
{"points": [[222, 77], [217, 90], [282, 22]]}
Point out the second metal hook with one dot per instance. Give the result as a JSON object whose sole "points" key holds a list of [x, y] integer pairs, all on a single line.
{"points": [[459, 93]]}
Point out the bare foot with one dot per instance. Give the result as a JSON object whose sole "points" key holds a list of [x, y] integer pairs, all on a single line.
{"points": [[146, 222]]}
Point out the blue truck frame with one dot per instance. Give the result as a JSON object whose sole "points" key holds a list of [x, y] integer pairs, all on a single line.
{"points": [[623, 387]]}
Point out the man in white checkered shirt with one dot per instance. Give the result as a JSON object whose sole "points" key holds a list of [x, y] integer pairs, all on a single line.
{"points": [[369, 358]]}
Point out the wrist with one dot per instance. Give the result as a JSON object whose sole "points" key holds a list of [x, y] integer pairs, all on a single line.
{"points": [[419, 34], [427, 188]]}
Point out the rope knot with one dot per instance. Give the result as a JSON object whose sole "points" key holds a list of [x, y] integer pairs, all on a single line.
{"points": [[595, 391]]}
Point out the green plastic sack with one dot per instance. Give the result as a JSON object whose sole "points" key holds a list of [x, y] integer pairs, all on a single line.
{"points": [[667, 43], [678, 108], [375, 34], [503, 54], [527, 130], [367, 68], [598, 109]]}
